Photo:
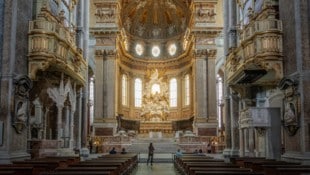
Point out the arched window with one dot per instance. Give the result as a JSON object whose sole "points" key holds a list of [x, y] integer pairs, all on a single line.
{"points": [[186, 90], [124, 90], [138, 92], [173, 95]]}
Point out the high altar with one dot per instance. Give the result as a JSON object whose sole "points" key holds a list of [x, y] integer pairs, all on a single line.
{"points": [[155, 104]]}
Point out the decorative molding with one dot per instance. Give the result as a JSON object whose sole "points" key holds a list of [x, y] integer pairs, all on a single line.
{"points": [[105, 12]]}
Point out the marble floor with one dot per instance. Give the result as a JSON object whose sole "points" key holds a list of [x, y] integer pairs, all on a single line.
{"points": [[156, 169]]}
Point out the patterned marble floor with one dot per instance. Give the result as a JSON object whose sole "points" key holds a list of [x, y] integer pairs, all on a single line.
{"points": [[156, 169]]}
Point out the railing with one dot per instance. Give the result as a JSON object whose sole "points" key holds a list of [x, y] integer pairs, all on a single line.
{"points": [[263, 26]]}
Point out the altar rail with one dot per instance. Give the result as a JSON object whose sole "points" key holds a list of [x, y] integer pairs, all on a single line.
{"points": [[164, 126]]}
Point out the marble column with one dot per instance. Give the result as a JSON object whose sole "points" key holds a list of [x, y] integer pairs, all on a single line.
{"points": [[234, 113], [246, 142], [232, 33], [38, 117], [228, 136], [85, 97], [59, 121], [72, 99], [226, 26], [109, 88], [45, 123], [211, 92], [201, 87], [297, 67], [241, 142], [14, 19], [251, 142], [79, 134], [67, 126]]}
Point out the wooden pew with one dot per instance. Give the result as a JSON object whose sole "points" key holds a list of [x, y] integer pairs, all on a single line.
{"points": [[272, 169], [258, 166], [68, 159], [183, 164], [35, 169], [292, 171], [112, 170], [226, 173], [77, 173], [189, 165], [19, 170], [132, 158], [229, 169], [7, 172], [240, 160], [130, 161], [119, 166]]}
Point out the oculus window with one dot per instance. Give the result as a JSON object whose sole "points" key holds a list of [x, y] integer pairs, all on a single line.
{"points": [[155, 51]]}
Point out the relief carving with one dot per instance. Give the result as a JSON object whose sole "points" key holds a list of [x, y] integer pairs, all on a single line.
{"points": [[105, 14], [205, 13]]}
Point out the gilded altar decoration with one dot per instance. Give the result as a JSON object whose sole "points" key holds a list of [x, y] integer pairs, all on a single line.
{"points": [[155, 104]]}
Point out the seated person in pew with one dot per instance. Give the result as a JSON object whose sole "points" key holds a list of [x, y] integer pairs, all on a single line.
{"points": [[200, 152], [179, 153], [123, 151], [113, 151]]}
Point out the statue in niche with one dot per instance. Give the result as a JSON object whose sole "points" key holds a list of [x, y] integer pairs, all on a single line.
{"points": [[155, 104], [291, 108], [290, 114], [22, 86]]}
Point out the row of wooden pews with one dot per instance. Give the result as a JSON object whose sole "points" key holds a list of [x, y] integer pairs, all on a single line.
{"points": [[118, 164], [271, 166], [36, 166], [199, 165]]}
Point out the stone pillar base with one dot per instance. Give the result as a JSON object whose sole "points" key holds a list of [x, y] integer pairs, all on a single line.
{"points": [[8, 158], [203, 127], [229, 153], [296, 157], [105, 127], [234, 153]]}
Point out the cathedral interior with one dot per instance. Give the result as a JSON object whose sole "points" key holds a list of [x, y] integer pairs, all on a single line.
{"points": [[79, 77]]}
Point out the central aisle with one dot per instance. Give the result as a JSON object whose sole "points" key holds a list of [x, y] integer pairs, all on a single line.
{"points": [[156, 169]]}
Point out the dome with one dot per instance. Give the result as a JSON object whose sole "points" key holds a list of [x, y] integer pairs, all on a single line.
{"points": [[155, 19], [155, 29]]}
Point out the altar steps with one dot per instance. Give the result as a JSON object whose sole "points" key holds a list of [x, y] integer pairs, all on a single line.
{"points": [[160, 145]]}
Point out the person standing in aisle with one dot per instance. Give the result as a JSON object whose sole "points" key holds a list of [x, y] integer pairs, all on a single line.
{"points": [[150, 154]]}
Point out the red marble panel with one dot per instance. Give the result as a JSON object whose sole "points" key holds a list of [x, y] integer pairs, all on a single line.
{"points": [[207, 131], [103, 131]]}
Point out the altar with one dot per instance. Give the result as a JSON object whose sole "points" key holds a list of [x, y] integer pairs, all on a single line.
{"points": [[162, 126]]}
